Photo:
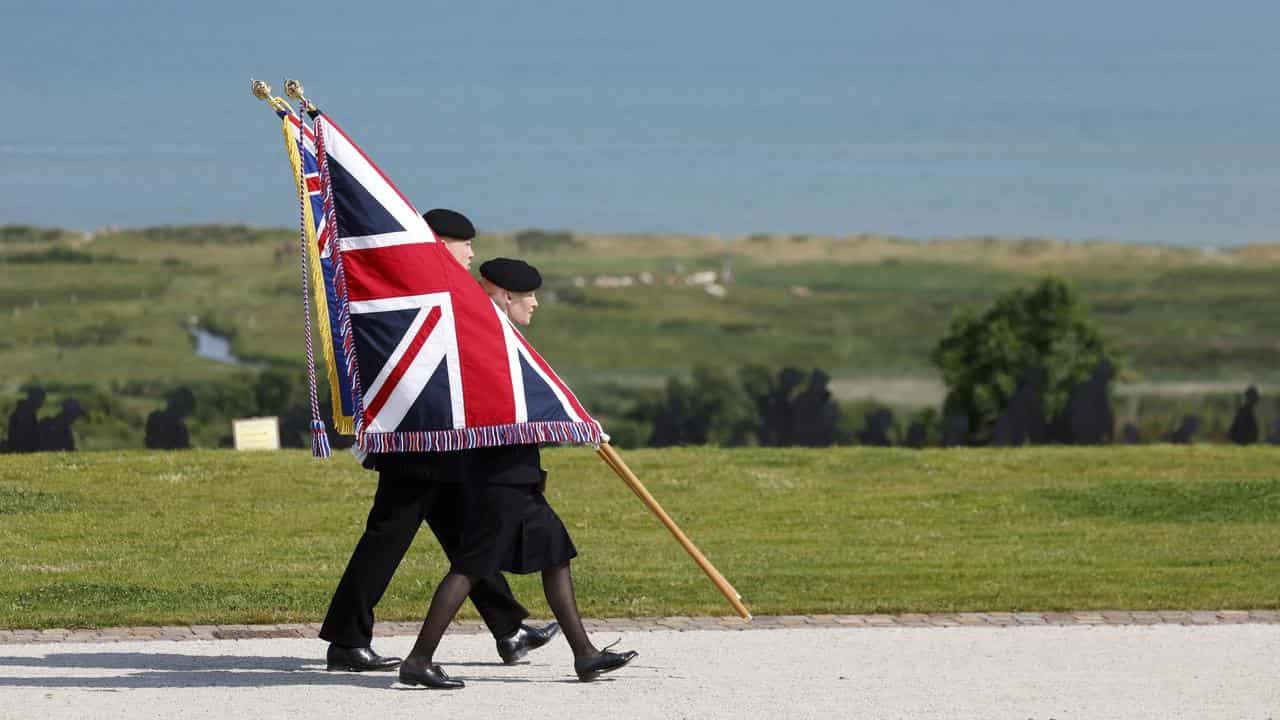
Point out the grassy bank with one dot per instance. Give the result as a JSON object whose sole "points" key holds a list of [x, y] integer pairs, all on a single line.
{"points": [[217, 537]]}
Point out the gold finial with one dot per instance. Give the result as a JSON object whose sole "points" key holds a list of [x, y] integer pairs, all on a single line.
{"points": [[260, 89], [293, 89]]}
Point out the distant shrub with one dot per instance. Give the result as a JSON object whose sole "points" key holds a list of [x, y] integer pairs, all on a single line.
{"points": [[207, 234], [757, 407], [613, 405], [62, 255], [578, 297], [711, 408], [543, 240], [102, 333], [219, 321], [31, 234]]}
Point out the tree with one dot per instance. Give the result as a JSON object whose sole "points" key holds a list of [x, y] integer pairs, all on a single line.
{"points": [[789, 411], [982, 357], [710, 408]]}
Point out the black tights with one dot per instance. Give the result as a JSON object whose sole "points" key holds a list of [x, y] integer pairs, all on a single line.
{"points": [[557, 584]]}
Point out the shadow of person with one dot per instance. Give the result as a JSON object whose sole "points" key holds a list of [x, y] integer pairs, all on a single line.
{"points": [[153, 661], [176, 670], [170, 670]]}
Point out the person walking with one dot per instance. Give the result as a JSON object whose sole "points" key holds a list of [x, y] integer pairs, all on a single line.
{"points": [[414, 488], [507, 524]]}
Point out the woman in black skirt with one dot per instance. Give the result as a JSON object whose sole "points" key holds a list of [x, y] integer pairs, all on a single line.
{"points": [[507, 525]]}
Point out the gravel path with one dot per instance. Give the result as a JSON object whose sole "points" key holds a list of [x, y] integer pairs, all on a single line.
{"points": [[1135, 671]]}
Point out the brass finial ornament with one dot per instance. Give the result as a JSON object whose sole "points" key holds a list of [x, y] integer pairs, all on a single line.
{"points": [[293, 89], [260, 89]]}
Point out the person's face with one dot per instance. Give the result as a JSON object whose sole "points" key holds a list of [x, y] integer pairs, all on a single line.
{"points": [[520, 307], [460, 250]]}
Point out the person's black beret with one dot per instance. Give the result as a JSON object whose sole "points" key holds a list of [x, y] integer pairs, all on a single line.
{"points": [[513, 275], [450, 224]]}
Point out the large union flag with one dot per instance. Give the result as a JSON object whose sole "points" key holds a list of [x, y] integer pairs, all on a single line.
{"points": [[300, 146], [433, 363]]}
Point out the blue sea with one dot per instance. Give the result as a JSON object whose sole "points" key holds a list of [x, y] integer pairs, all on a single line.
{"points": [[1136, 121]]}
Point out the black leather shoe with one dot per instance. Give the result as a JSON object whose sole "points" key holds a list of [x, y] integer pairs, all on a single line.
{"points": [[515, 646], [591, 668], [432, 676], [360, 659]]}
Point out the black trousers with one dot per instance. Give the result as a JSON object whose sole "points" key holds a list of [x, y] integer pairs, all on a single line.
{"points": [[406, 497]]}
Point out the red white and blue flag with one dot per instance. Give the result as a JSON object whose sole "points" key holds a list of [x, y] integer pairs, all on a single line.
{"points": [[433, 363], [301, 147]]}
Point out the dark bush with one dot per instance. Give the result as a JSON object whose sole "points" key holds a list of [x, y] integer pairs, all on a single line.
{"points": [[982, 357], [530, 241]]}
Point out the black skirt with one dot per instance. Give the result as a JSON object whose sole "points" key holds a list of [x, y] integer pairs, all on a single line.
{"points": [[510, 528]]}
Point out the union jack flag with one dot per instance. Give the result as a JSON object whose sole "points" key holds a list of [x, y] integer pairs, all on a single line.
{"points": [[434, 364], [300, 143]]}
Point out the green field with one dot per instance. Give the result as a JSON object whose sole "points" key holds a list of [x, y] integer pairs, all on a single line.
{"points": [[104, 316], [124, 538], [114, 306]]}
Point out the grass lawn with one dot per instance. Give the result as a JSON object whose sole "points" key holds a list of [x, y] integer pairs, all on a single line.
{"points": [[124, 538]]}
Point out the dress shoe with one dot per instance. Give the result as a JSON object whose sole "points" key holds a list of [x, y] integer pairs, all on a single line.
{"points": [[432, 676], [515, 646], [590, 668], [359, 659]]}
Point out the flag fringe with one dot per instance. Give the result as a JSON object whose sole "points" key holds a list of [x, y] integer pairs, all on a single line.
{"points": [[573, 433], [343, 425]]}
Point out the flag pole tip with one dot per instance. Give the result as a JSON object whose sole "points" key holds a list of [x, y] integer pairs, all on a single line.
{"points": [[293, 88], [260, 89]]}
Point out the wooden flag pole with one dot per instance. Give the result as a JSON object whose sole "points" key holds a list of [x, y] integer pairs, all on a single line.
{"points": [[614, 460]]}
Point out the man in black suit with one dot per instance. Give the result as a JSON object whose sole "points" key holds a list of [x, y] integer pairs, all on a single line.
{"points": [[414, 488]]}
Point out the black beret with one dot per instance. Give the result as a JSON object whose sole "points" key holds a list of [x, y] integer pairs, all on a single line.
{"points": [[513, 275], [449, 224]]}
